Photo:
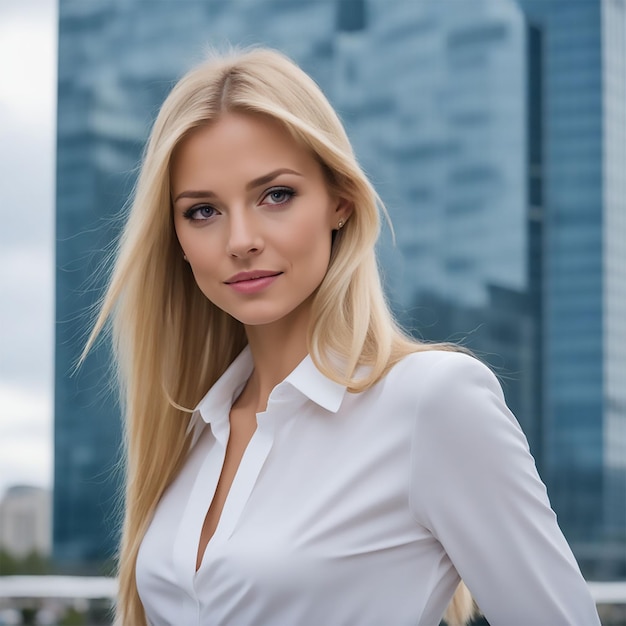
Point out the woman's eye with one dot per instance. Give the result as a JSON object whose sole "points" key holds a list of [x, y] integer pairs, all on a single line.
{"points": [[199, 212], [279, 195]]}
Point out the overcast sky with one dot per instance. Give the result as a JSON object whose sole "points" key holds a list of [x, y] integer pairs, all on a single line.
{"points": [[28, 36]]}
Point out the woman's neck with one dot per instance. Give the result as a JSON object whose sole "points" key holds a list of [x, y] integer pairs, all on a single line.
{"points": [[276, 351]]}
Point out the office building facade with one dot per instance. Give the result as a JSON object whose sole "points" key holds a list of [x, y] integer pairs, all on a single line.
{"points": [[584, 352], [492, 132]]}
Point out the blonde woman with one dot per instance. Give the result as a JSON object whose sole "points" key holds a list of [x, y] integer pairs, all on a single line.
{"points": [[293, 458]]}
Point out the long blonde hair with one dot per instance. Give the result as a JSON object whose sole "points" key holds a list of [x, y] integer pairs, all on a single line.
{"points": [[171, 343]]}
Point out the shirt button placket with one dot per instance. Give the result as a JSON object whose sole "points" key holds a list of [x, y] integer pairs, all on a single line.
{"points": [[190, 611]]}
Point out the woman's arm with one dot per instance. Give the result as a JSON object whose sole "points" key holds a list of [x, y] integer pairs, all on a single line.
{"points": [[475, 486]]}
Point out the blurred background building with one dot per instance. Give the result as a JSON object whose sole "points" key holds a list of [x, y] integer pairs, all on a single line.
{"points": [[495, 131], [25, 522]]}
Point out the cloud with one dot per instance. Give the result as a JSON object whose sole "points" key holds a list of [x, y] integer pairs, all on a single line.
{"points": [[26, 316], [27, 120], [28, 47], [27, 147], [27, 163], [25, 436]]}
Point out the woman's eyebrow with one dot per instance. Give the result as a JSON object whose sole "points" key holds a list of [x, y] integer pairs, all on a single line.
{"points": [[261, 180], [194, 194]]}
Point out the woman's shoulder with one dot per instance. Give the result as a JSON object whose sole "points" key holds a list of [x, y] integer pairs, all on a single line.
{"points": [[434, 383], [439, 368]]}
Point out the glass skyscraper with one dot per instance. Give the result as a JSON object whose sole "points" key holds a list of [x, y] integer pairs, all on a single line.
{"points": [[494, 131], [584, 316]]}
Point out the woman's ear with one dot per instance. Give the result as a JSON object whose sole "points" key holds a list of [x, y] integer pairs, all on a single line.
{"points": [[343, 210]]}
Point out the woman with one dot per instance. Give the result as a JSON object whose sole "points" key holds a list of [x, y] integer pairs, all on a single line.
{"points": [[292, 456]]}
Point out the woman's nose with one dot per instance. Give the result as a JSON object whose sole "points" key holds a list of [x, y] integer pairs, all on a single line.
{"points": [[244, 238]]}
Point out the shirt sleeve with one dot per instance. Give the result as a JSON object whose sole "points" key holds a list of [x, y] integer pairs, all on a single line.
{"points": [[474, 485]]}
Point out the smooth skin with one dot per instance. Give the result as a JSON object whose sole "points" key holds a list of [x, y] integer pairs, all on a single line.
{"points": [[248, 198]]}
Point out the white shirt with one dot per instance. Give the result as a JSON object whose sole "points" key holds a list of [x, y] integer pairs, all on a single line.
{"points": [[363, 509]]}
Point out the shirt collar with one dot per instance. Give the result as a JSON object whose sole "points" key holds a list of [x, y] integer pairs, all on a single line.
{"points": [[221, 396], [215, 406], [305, 378], [309, 381]]}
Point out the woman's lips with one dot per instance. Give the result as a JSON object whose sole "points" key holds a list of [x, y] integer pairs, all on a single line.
{"points": [[252, 282]]}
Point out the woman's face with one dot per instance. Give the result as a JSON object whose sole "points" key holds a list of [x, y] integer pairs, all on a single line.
{"points": [[254, 217]]}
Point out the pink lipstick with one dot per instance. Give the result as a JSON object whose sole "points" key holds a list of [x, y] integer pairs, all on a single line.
{"points": [[253, 281]]}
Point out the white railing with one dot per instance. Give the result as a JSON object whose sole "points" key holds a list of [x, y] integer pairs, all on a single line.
{"points": [[87, 587], [94, 587]]}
